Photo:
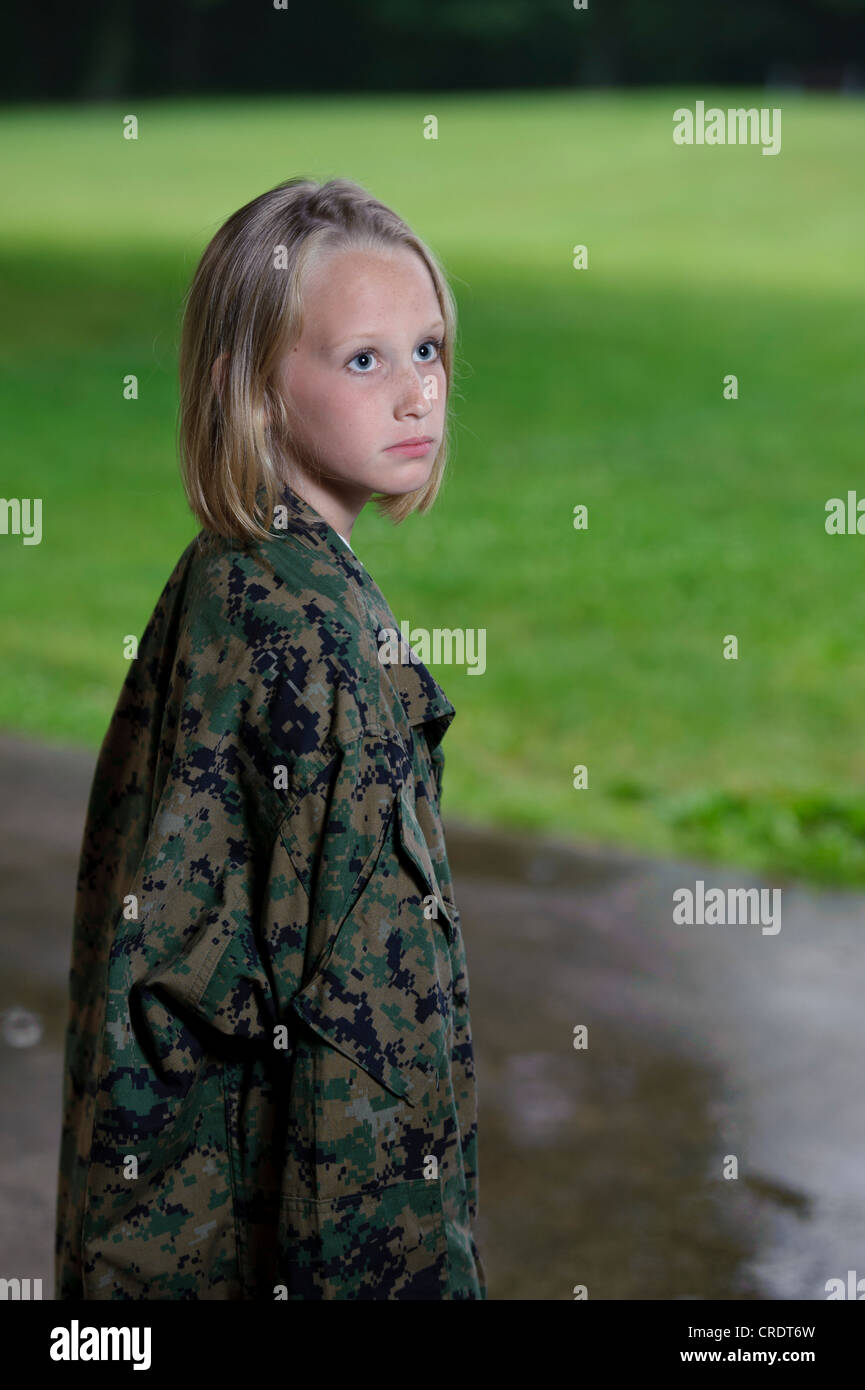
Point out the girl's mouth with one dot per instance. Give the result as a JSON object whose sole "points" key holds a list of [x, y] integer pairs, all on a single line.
{"points": [[413, 448]]}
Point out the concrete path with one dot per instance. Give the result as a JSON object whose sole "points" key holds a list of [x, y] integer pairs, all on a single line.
{"points": [[602, 1166]]}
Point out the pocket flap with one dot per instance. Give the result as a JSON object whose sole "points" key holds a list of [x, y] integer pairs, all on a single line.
{"points": [[415, 846]]}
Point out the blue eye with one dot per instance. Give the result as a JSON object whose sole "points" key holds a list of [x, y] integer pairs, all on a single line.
{"points": [[357, 356], [437, 343]]}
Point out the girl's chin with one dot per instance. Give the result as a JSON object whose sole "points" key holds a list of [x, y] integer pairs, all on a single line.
{"points": [[406, 476]]}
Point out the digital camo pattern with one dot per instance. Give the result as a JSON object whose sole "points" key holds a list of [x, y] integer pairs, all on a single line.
{"points": [[269, 1083]]}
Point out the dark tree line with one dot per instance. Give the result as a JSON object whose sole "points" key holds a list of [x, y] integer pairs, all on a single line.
{"points": [[114, 49]]}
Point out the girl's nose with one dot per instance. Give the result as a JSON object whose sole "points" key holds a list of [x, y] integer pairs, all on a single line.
{"points": [[412, 390]]}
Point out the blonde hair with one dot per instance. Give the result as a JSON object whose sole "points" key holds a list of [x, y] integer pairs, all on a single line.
{"points": [[239, 316]]}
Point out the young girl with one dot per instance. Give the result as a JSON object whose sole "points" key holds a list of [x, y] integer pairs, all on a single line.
{"points": [[269, 1086]]}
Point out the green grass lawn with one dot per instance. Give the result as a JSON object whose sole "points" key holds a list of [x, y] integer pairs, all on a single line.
{"points": [[603, 387]]}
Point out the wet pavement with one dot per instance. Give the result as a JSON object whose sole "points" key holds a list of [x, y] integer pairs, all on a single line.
{"points": [[603, 1166]]}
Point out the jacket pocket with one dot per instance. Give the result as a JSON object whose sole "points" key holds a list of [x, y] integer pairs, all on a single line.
{"points": [[382, 996], [386, 1244]]}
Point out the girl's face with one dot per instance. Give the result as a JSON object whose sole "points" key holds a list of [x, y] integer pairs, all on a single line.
{"points": [[359, 378]]}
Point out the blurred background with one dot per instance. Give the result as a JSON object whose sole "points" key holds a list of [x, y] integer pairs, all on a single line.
{"points": [[601, 386]]}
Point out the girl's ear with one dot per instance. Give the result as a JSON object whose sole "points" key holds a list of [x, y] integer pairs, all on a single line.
{"points": [[217, 372]]}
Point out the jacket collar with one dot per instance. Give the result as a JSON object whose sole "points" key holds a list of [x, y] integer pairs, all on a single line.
{"points": [[422, 699]]}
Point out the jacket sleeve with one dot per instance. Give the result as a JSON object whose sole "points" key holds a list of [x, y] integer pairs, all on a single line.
{"points": [[158, 1218]]}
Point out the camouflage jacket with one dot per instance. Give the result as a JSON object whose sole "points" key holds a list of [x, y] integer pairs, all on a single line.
{"points": [[269, 1086]]}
